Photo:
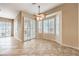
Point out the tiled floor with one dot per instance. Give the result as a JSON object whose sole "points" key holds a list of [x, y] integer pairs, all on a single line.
{"points": [[40, 47]]}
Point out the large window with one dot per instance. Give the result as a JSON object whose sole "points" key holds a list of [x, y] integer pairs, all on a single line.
{"points": [[29, 28], [5, 29], [47, 26]]}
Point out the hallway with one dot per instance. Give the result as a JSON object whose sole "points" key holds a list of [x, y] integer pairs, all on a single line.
{"points": [[34, 47]]}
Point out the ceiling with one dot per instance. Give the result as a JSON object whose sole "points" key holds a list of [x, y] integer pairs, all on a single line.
{"points": [[29, 7]]}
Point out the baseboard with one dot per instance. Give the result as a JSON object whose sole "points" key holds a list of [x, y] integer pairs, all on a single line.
{"points": [[67, 45], [70, 46], [61, 44]]}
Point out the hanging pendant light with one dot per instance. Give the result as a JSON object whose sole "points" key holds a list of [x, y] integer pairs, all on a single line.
{"points": [[39, 16]]}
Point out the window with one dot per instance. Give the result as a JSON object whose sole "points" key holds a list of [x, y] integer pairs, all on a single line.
{"points": [[29, 28], [48, 25], [5, 29]]}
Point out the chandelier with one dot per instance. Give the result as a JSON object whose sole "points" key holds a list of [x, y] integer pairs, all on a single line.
{"points": [[40, 16]]}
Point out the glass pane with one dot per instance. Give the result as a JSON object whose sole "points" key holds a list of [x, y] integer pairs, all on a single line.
{"points": [[5, 29], [29, 29], [51, 25], [46, 26]]}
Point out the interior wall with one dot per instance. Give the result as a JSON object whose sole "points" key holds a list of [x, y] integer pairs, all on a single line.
{"points": [[21, 26], [69, 23], [18, 27], [5, 19]]}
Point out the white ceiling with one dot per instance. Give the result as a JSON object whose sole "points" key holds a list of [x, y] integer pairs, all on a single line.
{"points": [[28, 7]]}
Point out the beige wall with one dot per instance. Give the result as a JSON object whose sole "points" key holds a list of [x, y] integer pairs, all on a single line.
{"points": [[18, 27], [69, 23], [5, 19]]}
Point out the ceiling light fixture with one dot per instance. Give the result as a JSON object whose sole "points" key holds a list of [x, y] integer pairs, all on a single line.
{"points": [[39, 16]]}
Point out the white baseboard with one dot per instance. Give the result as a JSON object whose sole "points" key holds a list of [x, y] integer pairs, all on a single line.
{"points": [[67, 45], [70, 46]]}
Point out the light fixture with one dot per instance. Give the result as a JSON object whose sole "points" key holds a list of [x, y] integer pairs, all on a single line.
{"points": [[39, 16]]}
